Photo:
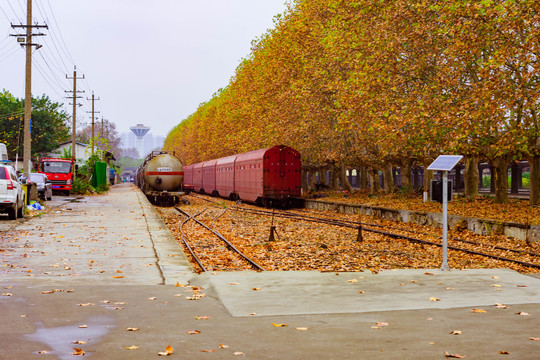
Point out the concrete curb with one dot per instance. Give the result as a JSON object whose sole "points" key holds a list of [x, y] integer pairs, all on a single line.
{"points": [[479, 226], [171, 259]]}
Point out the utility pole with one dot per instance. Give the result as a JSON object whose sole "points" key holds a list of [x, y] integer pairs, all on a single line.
{"points": [[27, 139], [93, 112], [75, 97], [103, 133]]}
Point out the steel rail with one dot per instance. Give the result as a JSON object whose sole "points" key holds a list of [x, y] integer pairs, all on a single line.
{"points": [[351, 224], [229, 245], [474, 252], [184, 239]]}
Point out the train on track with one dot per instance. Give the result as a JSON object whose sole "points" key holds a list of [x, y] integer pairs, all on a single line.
{"points": [[268, 177], [160, 178]]}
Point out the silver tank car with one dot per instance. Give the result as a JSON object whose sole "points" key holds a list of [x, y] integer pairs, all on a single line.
{"points": [[160, 178]]}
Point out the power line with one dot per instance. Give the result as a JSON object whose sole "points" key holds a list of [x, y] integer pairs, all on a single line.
{"points": [[65, 48]]}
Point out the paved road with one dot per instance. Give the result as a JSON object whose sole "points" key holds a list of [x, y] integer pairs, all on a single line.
{"points": [[91, 268]]}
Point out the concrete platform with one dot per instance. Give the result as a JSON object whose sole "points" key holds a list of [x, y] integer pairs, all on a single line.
{"points": [[109, 263], [312, 292]]}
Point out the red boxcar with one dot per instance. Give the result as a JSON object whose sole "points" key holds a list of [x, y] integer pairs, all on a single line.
{"points": [[225, 176], [197, 177], [209, 177], [188, 177], [270, 177]]}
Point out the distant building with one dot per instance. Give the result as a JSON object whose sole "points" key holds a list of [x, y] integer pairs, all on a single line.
{"points": [[150, 142]]}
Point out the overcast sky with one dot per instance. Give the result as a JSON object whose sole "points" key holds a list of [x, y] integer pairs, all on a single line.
{"points": [[150, 62]]}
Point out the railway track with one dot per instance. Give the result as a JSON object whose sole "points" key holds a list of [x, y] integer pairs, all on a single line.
{"points": [[214, 231], [370, 227]]}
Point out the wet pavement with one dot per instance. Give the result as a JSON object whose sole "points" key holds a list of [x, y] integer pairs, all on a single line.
{"points": [[104, 275]]}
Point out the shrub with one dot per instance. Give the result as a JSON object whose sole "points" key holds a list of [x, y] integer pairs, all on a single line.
{"points": [[80, 186]]}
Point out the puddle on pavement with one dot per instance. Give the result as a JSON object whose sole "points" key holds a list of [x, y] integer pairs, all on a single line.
{"points": [[58, 341]]}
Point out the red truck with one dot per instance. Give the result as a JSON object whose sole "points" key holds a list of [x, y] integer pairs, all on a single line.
{"points": [[60, 172]]}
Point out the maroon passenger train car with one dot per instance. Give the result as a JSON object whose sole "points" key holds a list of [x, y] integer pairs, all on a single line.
{"points": [[269, 177]]}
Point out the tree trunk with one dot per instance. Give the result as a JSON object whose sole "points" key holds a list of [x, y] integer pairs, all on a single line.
{"points": [[312, 178], [388, 178], [470, 177], [406, 179], [305, 183], [343, 177], [323, 170], [534, 182], [501, 180], [374, 177], [334, 177], [364, 181], [428, 176]]}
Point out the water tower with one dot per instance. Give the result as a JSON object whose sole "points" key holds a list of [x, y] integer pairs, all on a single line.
{"points": [[140, 130]]}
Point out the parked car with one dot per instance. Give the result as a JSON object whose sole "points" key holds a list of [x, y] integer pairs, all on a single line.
{"points": [[44, 185], [11, 193]]}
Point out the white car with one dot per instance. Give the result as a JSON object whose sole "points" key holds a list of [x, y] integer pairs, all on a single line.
{"points": [[11, 193]]}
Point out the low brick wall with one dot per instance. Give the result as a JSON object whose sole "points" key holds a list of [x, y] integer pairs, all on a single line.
{"points": [[478, 226]]}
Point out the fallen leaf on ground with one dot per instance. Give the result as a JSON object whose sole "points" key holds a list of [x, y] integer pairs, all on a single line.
{"points": [[457, 356], [523, 313], [279, 325], [428, 273], [43, 352], [382, 324], [205, 317], [78, 352], [79, 342], [534, 338], [83, 326], [433, 298], [234, 283], [223, 346], [504, 352], [479, 311], [353, 281], [456, 332], [168, 351], [133, 347], [238, 353], [86, 304], [501, 306], [495, 285], [256, 289], [302, 328], [193, 332], [132, 329], [152, 298], [208, 351]]}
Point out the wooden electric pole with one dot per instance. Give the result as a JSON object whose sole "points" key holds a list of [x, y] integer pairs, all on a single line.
{"points": [[93, 112], [75, 97], [27, 139]]}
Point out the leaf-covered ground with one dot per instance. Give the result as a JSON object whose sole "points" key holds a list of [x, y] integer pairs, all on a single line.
{"points": [[301, 245], [483, 207]]}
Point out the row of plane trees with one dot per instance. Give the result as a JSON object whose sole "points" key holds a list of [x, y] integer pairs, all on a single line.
{"points": [[384, 84]]}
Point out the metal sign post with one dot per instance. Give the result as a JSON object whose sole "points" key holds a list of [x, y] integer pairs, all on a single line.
{"points": [[445, 163]]}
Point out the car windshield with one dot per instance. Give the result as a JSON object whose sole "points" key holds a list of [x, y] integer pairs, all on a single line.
{"points": [[56, 167], [37, 178]]}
